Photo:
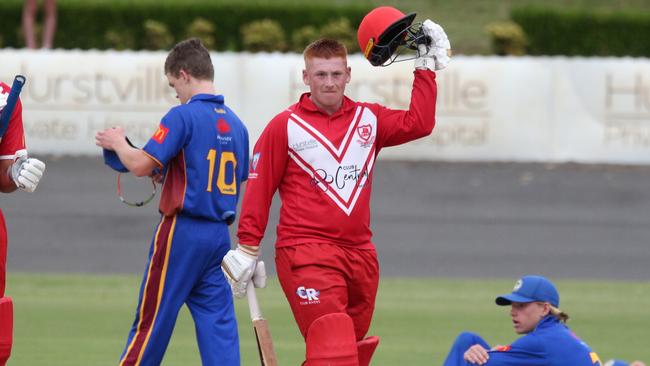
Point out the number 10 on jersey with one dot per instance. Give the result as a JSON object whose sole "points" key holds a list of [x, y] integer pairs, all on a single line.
{"points": [[227, 163]]}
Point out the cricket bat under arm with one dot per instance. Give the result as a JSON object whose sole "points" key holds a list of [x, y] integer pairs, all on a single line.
{"points": [[261, 328]]}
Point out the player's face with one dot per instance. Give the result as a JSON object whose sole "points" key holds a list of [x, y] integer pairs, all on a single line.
{"points": [[181, 85], [326, 78], [526, 315]]}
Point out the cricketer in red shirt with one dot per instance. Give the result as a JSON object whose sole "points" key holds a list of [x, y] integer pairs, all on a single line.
{"points": [[12, 141], [320, 153], [14, 167]]}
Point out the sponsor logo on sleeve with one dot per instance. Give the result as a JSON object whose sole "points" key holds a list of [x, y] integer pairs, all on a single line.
{"points": [[160, 134], [595, 359], [252, 174]]}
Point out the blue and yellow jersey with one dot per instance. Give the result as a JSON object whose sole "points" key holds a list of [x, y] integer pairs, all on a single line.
{"points": [[203, 148], [551, 343]]}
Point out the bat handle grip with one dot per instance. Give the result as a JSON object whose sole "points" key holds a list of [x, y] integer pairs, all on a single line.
{"points": [[253, 305], [20, 79]]}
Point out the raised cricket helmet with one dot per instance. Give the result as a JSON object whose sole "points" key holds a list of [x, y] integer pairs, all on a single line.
{"points": [[383, 30]]}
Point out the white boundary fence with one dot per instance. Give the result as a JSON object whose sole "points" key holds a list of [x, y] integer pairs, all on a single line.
{"points": [[590, 110]]}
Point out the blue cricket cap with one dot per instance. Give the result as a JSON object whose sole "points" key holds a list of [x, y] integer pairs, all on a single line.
{"points": [[112, 160], [529, 289]]}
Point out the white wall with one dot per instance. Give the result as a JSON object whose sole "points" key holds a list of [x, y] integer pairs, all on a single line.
{"points": [[594, 110]]}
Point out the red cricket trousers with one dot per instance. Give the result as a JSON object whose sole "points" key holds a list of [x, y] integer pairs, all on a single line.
{"points": [[6, 307], [3, 254], [320, 279]]}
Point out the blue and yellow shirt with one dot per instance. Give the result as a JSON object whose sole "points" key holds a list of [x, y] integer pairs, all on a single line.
{"points": [[203, 148]]}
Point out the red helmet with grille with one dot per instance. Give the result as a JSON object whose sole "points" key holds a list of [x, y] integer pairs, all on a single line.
{"points": [[381, 32]]}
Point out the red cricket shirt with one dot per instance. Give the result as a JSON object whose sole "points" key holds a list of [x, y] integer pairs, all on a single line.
{"points": [[322, 166], [12, 141]]}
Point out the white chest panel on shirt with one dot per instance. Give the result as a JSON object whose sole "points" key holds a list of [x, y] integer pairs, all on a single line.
{"points": [[340, 171]]}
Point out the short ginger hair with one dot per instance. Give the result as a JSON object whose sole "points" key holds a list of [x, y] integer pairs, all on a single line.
{"points": [[325, 48]]}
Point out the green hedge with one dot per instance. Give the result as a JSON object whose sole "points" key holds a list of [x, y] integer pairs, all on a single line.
{"points": [[552, 31], [101, 24]]}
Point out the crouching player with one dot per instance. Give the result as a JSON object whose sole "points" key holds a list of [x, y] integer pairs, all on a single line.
{"points": [[547, 341], [16, 171]]}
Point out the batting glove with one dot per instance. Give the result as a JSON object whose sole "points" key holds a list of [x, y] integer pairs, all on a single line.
{"points": [[436, 54], [239, 266], [26, 172], [259, 276]]}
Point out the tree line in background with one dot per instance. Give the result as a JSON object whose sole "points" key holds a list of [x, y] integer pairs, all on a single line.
{"points": [[537, 30], [266, 26], [223, 26]]}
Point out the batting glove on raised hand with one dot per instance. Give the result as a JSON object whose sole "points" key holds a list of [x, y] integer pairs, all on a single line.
{"points": [[26, 172], [239, 266], [434, 55]]}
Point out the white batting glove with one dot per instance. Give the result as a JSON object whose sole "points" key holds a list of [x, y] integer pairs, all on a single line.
{"points": [[259, 276], [239, 266], [435, 56], [26, 172]]}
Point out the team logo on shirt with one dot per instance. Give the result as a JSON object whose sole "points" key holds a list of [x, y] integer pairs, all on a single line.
{"points": [[309, 294], [502, 348], [223, 126], [160, 134], [365, 132], [220, 110]]}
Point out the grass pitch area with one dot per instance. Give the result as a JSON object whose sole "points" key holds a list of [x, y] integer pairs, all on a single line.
{"points": [[84, 319]]}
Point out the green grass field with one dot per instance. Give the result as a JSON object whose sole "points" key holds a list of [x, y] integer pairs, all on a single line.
{"points": [[83, 319]]}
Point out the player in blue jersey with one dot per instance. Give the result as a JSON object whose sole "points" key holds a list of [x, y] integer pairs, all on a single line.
{"points": [[547, 341], [201, 147]]}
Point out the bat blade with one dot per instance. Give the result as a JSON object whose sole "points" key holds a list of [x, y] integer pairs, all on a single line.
{"points": [[261, 328], [264, 343]]}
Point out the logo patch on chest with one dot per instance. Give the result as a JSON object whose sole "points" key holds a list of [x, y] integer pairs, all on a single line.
{"points": [[365, 132]]}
